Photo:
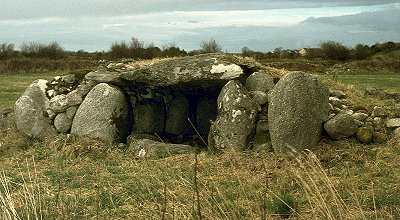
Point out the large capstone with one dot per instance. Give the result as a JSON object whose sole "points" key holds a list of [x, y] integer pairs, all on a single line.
{"points": [[298, 106], [236, 118], [191, 70], [103, 114], [30, 111]]}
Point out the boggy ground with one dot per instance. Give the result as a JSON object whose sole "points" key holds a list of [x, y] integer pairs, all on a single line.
{"points": [[67, 178]]}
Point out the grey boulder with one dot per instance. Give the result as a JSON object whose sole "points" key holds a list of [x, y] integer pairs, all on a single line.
{"points": [[298, 106], [260, 81], [103, 114], [236, 118], [30, 111], [176, 122], [341, 126], [62, 123], [149, 117]]}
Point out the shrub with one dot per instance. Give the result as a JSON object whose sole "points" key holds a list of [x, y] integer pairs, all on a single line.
{"points": [[210, 46], [7, 50], [52, 50], [335, 51], [361, 52]]}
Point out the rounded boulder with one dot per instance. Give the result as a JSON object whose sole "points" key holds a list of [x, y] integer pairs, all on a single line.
{"points": [[103, 114], [298, 106]]}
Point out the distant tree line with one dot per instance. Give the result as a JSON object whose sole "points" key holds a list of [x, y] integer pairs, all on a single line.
{"points": [[136, 49], [328, 50]]}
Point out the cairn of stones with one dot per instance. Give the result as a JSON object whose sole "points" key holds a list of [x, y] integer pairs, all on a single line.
{"points": [[178, 105]]}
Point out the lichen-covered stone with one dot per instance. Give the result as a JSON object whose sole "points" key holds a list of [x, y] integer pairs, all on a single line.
{"points": [[379, 112], [338, 94], [236, 118], [103, 114], [30, 111], [206, 111], [206, 69], [260, 81], [149, 118], [341, 126], [393, 123], [379, 137], [365, 134], [298, 106], [62, 123], [360, 116], [176, 122]]}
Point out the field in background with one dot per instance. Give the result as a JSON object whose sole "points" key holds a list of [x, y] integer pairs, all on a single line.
{"points": [[388, 82], [13, 85]]}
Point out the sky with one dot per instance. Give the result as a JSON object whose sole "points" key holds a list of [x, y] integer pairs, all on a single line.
{"points": [[261, 25]]}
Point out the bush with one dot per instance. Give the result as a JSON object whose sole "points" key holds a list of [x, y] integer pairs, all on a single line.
{"points": [[52, 50], [335, 51], [7, 50], [210, 46], [361, 52]]}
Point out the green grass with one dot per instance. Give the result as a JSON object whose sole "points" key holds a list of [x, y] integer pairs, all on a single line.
{"points": [[13, 85], [388, 82]]}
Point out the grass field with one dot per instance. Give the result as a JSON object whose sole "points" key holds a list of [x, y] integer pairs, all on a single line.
{"points": [[388, 82], [13, 85]]}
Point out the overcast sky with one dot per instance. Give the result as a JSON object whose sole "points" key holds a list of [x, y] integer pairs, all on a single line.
{"points": [[260, 24]]}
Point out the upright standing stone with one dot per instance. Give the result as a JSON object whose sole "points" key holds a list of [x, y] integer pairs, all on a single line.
{"points": [[206, 112], [103, 114], [298, 106], [236, 118], [149, 118], [30, 111], [177, 115]]}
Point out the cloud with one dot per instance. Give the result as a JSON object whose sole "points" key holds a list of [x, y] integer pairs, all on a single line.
{"points": [[259, 29], [20, 9]]}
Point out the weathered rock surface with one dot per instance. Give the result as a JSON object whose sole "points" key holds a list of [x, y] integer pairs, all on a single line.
{"points": [[338, 94], [393, 123], [236, 118], [62, 123], [262, 136], [379, 137], [298, 106], [149, 118], [176, 122], [103, 114], [360, 116], [341, 126], [365, 134], [206, 111], [396, 134], [147, 148], [30, 111], [61, 103], [379, 112], [192, 70], [260, 81], [7, 118]]}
